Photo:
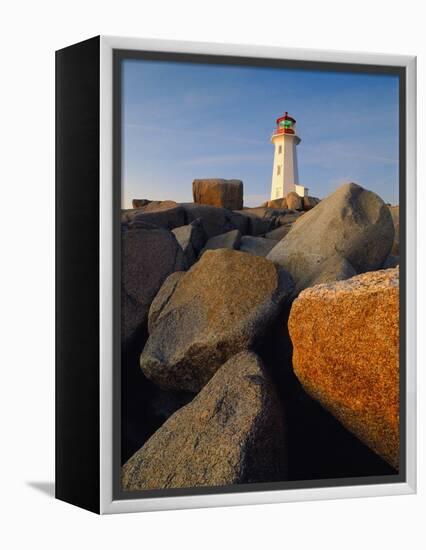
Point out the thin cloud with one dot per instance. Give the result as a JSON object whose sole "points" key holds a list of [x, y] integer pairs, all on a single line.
{"points": [[195, 133], [325, 153], [227, 159]]}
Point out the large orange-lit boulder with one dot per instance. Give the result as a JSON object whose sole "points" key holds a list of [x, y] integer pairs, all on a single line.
{"points": [[276, 203], [310, 202], [294, 201], [345, 339]]}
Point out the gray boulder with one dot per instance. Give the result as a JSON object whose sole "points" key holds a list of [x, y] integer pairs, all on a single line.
{"points": [[257, 225], [166, 214], [223, 305], [278, 233], [218, 192], [351, 223], [284, 223], [232, 432], [128, 214], [139, 225], [332, 269], [148, 257], [191, 238], [263, 220], [215, 220], [258, 211], [258, 246], [230, 240], [264, 212], [311, 269], [288, 218], [162, 298]]}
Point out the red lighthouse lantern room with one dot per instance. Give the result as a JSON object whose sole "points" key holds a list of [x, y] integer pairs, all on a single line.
{"points": [[285, 124]]}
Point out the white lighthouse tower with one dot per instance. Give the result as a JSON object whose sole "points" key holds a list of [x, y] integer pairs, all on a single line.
{"points": [[285, 176]]}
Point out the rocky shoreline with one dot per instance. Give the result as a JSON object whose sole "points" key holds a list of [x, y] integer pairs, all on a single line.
{"points": [[259, 344]]}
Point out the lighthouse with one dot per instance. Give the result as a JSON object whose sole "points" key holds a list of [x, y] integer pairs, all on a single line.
{"points": [[285, 176]]}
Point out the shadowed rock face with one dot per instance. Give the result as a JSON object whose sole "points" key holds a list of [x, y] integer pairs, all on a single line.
{"points": [[332, 269], [258, 246], [265, 212], [127, 214], [278, 233], [218, 192], [162, 297], [346, 354], [352, 224], [258, 225], [149, 256], [191, 238], [230, 239], [391, 261], [263, 220], [221, 306], [166, 214], [394, 210], [216, 220], [312, 269], [232, 432]]}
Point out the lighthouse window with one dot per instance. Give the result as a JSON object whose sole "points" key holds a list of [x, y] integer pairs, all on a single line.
{"points": [[286, 124], [278, 170], [280, 149]]}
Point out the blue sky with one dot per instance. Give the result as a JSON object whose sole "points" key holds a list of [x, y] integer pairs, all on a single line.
{"points": [[183, 121]]}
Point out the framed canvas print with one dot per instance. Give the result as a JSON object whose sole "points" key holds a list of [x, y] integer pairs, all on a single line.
{"points": [[235, 244]]}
